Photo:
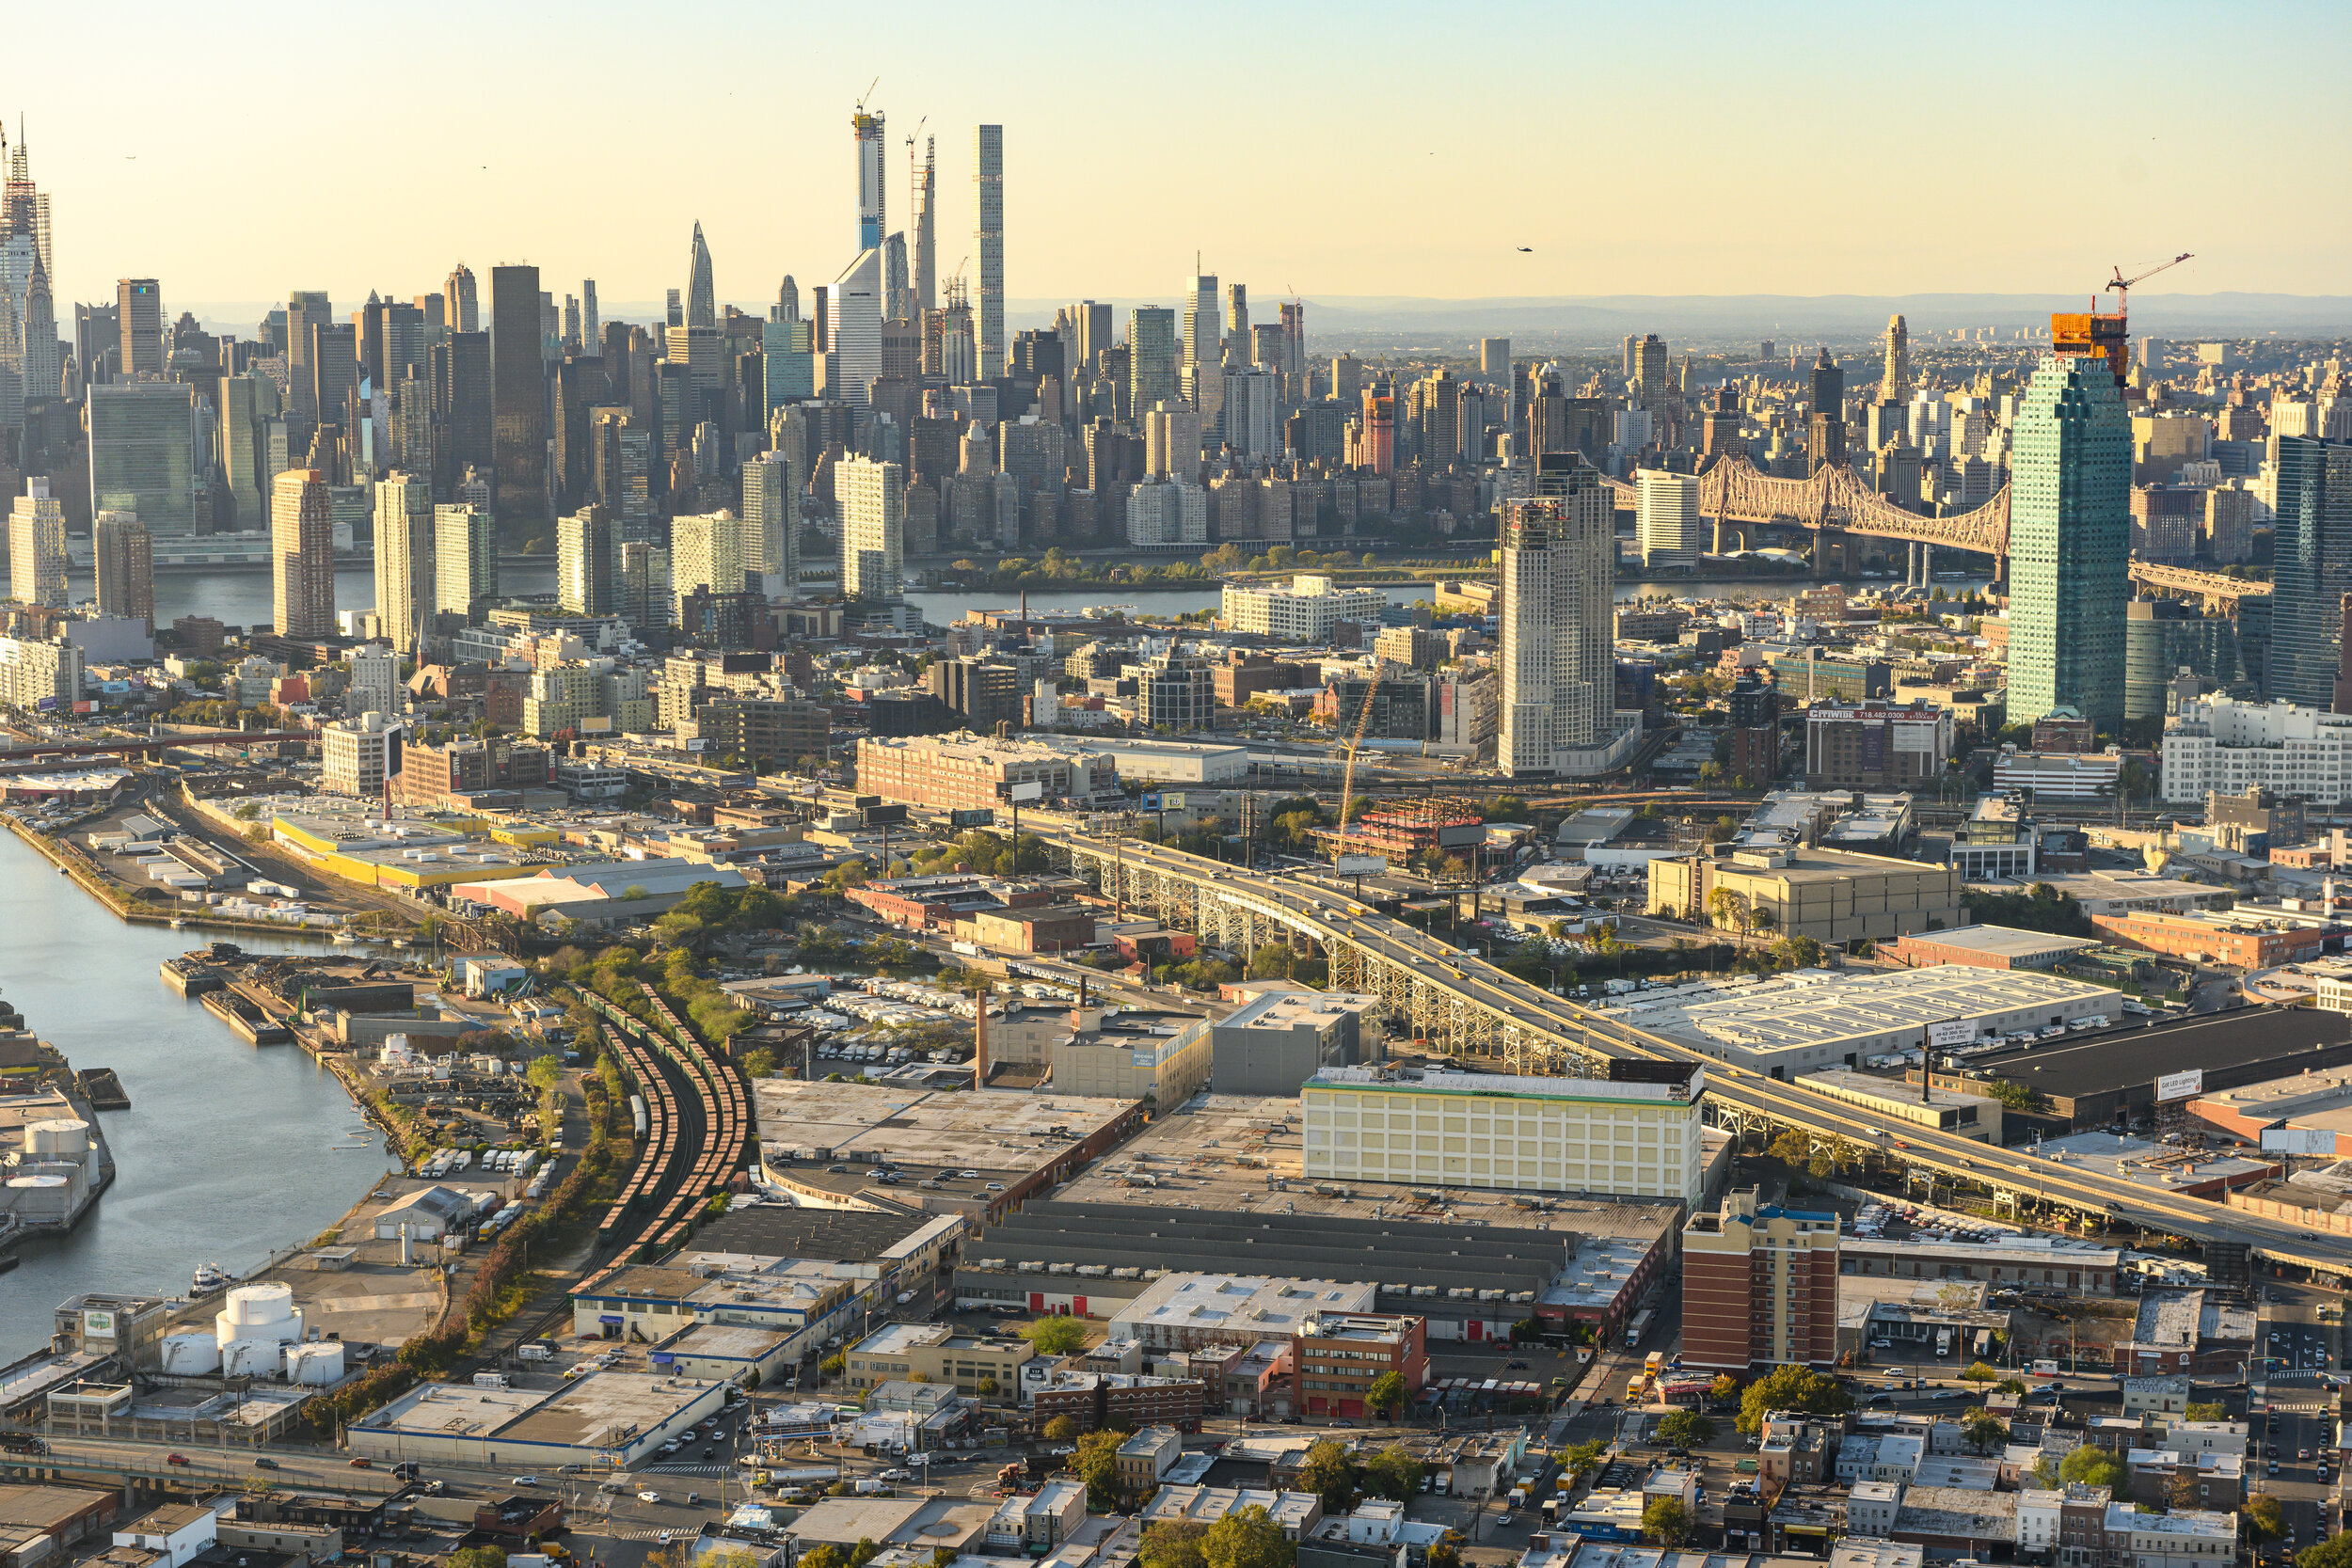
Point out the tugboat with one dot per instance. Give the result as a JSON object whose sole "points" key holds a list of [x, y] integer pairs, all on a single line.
{"points": [[210, 1281]]}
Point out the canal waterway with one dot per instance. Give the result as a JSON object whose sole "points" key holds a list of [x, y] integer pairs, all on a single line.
{"points": [[228, 1153]]}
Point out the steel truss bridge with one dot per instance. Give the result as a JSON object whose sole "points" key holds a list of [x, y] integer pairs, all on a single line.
{"points": [[1733, 489], [1464, 1005], [2219, 592]]}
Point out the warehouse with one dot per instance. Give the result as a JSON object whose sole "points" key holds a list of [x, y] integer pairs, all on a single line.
{"points": [[2318, 1104], [1816, 1020], [1986, 947], [1827, 895], [626, 1415], [2093, 1081], [1963, 1114]]}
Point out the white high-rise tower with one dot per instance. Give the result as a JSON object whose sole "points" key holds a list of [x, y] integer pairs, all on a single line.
{"points": [[868, 131], [987, 180], [924, 254], [1558, 654]]}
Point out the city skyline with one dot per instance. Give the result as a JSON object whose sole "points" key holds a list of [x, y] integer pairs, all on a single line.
{"points": [[486, 183]]}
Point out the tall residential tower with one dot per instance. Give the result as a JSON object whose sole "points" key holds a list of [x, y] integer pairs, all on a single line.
{"points": [[1558, 669], [2070, 522], [987, 189]]}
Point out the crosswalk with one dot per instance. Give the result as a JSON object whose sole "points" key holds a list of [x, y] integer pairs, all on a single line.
{"points": [[713, 1470]]}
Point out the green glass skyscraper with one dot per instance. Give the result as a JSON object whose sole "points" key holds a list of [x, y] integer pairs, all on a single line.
{"points": [[2313, 570], [2069, 520]]}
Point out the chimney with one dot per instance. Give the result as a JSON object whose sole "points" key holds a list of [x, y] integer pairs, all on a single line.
{"points": [[980, 1046]]}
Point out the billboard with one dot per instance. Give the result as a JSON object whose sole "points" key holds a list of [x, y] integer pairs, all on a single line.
{"points": [[2299, 1140], [977, 817], [1027, 789], [1360, 865], [98, 1326], [1171, 802], [2181, 1085], [1951, 1032]]}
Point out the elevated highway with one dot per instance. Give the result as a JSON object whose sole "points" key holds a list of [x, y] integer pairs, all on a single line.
{"points": [[1464, 1004]]}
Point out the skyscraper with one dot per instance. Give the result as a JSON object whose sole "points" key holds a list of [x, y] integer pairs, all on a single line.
{"points": [[1666, 522], [1152, 357], [1558, 674], [583, 560], [897, 290], [772, 516], [142, 442], [1093, 323], [251, 431], [872, 500], [701, 295], [591, 327], [37, 557], [462, 405], [2070, 543], [987, 189], [518, 412], [305, 308], [2311, 571], [865, 134], [140, 307], [1825, 446], [404, 557], [853, 351], [462, 309], [1237, 323], [1895, 380], [465, 558], [302, 555], [125, 561], [1197, 377], [924, 259]]}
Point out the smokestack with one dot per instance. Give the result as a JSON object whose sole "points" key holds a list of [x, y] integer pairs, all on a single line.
{"points": [[980, 1047]]}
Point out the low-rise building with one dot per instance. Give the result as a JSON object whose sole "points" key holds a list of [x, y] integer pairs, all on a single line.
{"points": [[1965, 1115], [1336, 1358], [2243, 938], [934, 1353], [1147, 1456], [1827, 895], [1986, 947], [2184, 1538], [1286, 1034]]}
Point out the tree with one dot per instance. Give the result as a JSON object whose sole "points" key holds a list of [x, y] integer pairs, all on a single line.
{"points": [[2180, 1491], [1793, 1388], [831, 1366], [2092, 1467], [545, 1073], [1983, 1430], [1979, 1372], [1175, 1544], [2198, 1411], [760, 1063], [1246, 1538], [1723, 1389], [1685, 1429], [1395, 1474], [1666, 1522], [477, 1556], [2334, 1552], [1387, 1393], [2264, 1520], [1061, 1429], [1444, 1554], [1585, 1456], [1057, 1335], [1331, 1473], [2013, 1384], [1096, 1463]]}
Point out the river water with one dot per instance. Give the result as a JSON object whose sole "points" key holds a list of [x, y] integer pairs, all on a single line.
{"points": [[228, 1152]]}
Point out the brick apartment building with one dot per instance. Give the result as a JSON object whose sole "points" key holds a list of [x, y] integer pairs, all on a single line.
{"points": [[1127, 1400], [1759, 1286], [1338, 1356]]}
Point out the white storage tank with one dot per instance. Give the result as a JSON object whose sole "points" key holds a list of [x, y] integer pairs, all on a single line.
{"points": [[319, 1364], [251, 1358], [264, 1313], [32, 1198], [191, 1355], [65, 1138]]}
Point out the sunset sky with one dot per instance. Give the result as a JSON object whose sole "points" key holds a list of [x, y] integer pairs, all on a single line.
{"points": [[237, 153]]}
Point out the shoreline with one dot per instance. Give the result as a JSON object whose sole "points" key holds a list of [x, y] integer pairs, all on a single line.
{"points": [[337, 1064]]}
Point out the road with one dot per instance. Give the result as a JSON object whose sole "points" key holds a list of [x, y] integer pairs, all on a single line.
{"points": [[1331, 916]]}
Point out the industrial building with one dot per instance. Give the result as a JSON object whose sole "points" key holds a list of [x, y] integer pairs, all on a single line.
{"points": [[1986, 947], [2241, 938], [2318, 1103], [1286, 1034], [1829, 896], [1119, 1054], [625, 1416], [2092, 1082], [2175, 1170], [1016, 1144], [934, 1353], [1963, 1114], [1305, 611], [798, 1307], [1635, 1133], [1813, 1019]]}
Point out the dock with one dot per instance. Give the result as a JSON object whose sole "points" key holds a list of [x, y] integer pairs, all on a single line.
{"points": [[190, 976], [103, 1088]]}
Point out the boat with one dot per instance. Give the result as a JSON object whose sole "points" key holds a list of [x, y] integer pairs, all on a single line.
{"points": [[177, 923], [210, 1281], [61, 871], [345, 939]]}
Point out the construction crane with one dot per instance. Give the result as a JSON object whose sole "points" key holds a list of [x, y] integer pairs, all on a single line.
{"points": [[2121, 286], [1355, 739]]}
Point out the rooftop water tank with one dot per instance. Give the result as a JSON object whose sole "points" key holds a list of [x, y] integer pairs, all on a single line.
{"points": [[63, 1138]]}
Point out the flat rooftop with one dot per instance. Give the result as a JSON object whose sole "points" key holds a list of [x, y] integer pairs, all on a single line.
{"points": [[988, 1130], [578, 1414], [2153, 1165], [1824, 1007], [1844, 1083], [1502, 1085], [2007, 942], [2093, 1063], [1241, 1154], [834, 1235], [2103, 891]]}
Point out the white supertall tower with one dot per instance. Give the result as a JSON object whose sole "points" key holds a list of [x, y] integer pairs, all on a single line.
{"points": [[987, 180], [866, 129], [924, 255], [1200, 371]]}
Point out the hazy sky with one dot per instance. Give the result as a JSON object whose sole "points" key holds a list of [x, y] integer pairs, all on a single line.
{"points": [[238, 152]]}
